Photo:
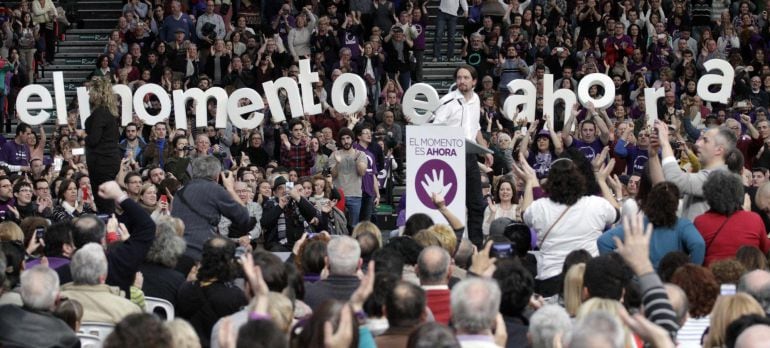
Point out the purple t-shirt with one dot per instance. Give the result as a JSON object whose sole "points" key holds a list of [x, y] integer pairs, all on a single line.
{"points": [[419, 41], [590, 150], [15, 154], [367, 181]]}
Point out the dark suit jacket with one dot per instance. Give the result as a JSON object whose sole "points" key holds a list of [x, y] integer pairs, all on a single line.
{"points": [[23, 327], [336, 287]]}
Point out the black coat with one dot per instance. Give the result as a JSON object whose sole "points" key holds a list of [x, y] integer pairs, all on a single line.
{"points": [[23, 327]]}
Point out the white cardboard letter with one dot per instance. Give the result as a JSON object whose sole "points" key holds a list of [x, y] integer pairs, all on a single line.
{"points": [[236, 112], [725, 81], [597, 79], [528, 99], [411, 103], [276, 108], [161, 94], [201, 100], [23, 104], [359, 93]]}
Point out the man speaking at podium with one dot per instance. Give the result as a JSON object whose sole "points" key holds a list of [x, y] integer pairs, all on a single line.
{"points": [[462, 108]]}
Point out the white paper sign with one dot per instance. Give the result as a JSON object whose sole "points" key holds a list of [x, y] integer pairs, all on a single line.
{"points": [[435, 162]]}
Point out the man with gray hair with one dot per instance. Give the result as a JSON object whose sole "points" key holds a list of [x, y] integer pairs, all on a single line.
{"points": [[433, 269], [34, 325], [598, 329], [101, 303], [757, 284], [547, 322], [713, 147], [475, 305], [202, 202], [343, 261]]}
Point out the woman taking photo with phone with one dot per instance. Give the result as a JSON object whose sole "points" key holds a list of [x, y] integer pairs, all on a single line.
{"points": [[103, 153]]}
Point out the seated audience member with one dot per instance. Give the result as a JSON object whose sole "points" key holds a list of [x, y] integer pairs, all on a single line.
{"points": [[433, 270], [161, 279], [101, 302], [405, 310], [475, 305], [34, 324], [212, 295], [344, 260]]}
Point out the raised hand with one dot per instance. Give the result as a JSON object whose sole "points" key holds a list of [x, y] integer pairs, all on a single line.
{"points": [[436, 183]]}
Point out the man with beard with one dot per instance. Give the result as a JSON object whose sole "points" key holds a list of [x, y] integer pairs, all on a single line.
{"points": [[370, 197], [132, 146], [462, 108], [348, 168]]}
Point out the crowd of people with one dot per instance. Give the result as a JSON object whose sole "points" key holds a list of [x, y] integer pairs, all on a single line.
{"points": [[629, 230]]}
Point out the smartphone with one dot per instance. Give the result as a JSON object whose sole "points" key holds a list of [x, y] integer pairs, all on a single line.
{"points": [[78, 151], [39, 233], [85, 193], [502, 250], [559, 49], [289, 185], [164, 198]]}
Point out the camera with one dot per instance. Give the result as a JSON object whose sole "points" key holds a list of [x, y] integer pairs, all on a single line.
{"points": [[39, 233], [188, 148], [327, 171]]}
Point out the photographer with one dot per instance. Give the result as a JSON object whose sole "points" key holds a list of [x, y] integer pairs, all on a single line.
{"points": [[179, 162], [200, 204], [286, 216]]}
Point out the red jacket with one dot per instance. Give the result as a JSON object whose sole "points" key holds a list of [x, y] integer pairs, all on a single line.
{"points": [[741, 228]]}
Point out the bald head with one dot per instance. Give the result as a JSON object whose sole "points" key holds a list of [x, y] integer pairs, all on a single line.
{"points": [[757, 336], [762, 198], [678, 301], [752, 282], [433, 266]]}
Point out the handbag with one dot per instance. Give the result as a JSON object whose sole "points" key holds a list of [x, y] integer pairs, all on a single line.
{"points": [[552, 225]]}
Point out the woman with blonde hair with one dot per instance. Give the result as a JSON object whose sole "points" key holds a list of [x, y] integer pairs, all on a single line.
{"points": [[102, 151], [612, 307], [367, 226], [726, 310], [573, 288]]}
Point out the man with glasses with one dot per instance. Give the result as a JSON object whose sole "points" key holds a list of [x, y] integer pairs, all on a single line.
{"points": [[132, 145], [26, 206], [295, 152], [255, 210], [42, 188]]}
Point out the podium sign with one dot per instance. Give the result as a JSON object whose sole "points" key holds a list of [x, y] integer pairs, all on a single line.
{"points": [[435, 163]]}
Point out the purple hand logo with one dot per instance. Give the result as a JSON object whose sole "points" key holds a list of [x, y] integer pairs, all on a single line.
{"points": [[435, 176]]}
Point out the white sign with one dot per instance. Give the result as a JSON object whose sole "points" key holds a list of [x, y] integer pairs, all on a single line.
{"points": [[435, 163], [301, 101]]}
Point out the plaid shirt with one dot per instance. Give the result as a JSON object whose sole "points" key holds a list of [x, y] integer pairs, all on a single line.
{"points": [[297, 157]]}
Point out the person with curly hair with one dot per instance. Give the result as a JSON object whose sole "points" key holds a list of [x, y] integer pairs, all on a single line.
{"points": [[567, 220], [702, 290], [102, 150], [517, 287], [670, 232], [726, 226], [213, 295]]}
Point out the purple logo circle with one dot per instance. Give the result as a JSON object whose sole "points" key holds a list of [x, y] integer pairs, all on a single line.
{"points": [[435, 176]]}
